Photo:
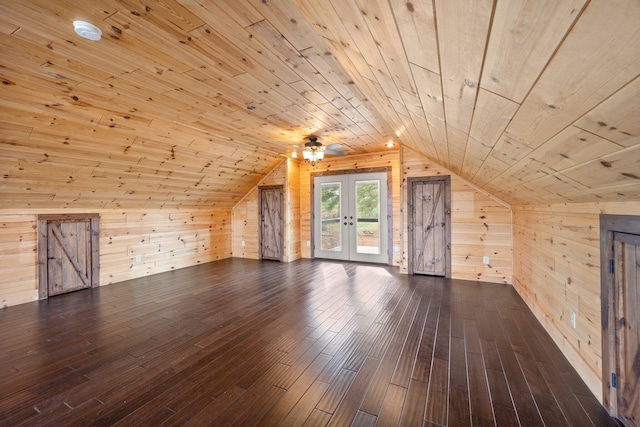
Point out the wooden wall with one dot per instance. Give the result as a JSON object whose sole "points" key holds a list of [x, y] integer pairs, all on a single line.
{"points": [[245, 220], [557, 270], [480, 225], [293, 244], [165, 240]]}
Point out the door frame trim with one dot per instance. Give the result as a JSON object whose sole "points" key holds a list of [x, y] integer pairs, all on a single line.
{"points": [[608, 225], [446, 179], [282, 225], [386, 169], [43, 224]]}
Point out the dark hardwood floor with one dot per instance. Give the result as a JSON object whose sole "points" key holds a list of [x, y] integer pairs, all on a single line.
{"points": [[314, 343]]}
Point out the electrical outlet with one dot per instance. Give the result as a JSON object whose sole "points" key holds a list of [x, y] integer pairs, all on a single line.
{"points": [[572, 319], [485, 260], [395, 249], [242, 243], [138, 258], [308, 243]]}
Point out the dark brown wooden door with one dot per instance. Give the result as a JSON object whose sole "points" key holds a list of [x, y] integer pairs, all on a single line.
{"points": [[68, 253], [627, 316], [271, 226], [429, 226]]}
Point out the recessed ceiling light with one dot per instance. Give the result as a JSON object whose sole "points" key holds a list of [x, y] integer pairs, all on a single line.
{"points": [[389, 144], [87, 30]]}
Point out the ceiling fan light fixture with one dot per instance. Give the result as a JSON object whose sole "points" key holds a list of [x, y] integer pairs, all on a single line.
{"points": [[87, 30], [313, 154]]}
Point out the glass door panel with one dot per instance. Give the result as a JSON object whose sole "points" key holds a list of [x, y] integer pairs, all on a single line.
{"points": [[367, 224], [330, 213]]}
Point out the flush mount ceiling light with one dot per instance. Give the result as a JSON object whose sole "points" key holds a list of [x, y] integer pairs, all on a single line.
{"points": [[87, 30]]}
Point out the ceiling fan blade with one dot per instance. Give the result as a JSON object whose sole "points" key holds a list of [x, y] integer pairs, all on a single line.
{"points": [[334, 146], [335, 153]]}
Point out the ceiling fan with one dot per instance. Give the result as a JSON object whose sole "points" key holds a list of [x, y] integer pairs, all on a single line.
{"points": [[314, 151]]}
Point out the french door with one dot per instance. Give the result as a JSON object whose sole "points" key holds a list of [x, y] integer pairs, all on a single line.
{"points": [[350, 217]]}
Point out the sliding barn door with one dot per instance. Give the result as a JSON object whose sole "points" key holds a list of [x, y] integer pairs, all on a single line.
{"points": [[430, 226], [271, 225], [68, 254], [627, 326]]}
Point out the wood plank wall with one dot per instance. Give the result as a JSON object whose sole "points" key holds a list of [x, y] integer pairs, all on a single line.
{"points": [[480, 225], [557, 270], [165, 240], [293, 243], [245, 220]]}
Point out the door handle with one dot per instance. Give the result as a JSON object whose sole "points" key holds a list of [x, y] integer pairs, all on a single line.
{"points": [[52, 257]]}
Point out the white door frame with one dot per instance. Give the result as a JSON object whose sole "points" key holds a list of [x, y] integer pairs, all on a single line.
{"points": [[386, 213]]}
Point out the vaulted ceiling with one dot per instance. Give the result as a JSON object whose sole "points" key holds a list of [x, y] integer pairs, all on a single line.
{"points": [[190, 102]]}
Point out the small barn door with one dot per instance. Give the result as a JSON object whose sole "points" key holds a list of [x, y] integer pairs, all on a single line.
{"points": [[627, 329], [430, 226], [271, 223], [68, 253]]}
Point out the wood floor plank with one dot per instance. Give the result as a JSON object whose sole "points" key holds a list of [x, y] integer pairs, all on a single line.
{"points": [[415, 403], [313, 342], [392, 406]]}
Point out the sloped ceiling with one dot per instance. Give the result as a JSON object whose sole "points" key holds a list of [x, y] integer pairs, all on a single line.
{"points": [[189, 103]]}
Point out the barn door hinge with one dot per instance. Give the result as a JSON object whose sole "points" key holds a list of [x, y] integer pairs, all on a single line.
{"points": [[610, 266], [614, 380]]}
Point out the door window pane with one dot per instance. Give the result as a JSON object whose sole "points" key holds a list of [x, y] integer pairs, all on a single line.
{"points": [[368, 217], [330, 216]]}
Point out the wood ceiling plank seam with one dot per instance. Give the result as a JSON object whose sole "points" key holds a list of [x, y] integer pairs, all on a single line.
{"points": [[623, 165], [160, 51], [260, 91], [604, 120], [518, 164], [493, 114], [328, 66], [551, 30], [354, 23], [416, 23], [232, 11], [585, 69], [70, 49], [429, 89], [337, 49], [222, 19], [462, 25], [47, 114], [170, 13], [287, 19], [423, 137], [474, 156], [381, 23], [534, 156], [24, 55], [457, 146], [619, 192]]}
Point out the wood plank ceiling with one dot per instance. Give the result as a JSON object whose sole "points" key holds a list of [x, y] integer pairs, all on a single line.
{"points": [[188, 103]]}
